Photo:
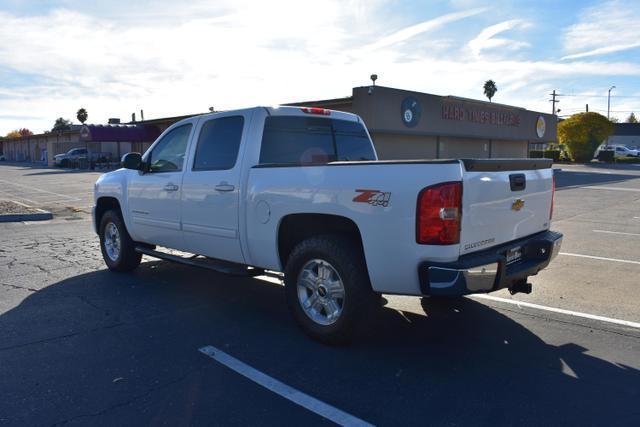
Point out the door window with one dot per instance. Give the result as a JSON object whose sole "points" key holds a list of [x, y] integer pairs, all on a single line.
{"points": [[218, 144], [168, 154]]}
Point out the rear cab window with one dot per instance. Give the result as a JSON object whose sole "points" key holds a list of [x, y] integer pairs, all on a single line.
{"points": [[313, 140]]}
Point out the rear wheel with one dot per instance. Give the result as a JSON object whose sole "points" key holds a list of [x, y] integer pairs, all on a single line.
{"points": [[327, 288], [118, 249]]}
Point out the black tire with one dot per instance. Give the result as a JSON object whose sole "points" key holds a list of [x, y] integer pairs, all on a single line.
{"points": [[127, 259], [64, 163], [345, 257]]}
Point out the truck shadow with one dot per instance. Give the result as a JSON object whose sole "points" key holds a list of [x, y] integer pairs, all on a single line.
{"points": [[104, 340]]}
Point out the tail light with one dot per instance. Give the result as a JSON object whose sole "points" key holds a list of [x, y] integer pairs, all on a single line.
{"points": [[439, 214], [553, 197], [316, 110]]}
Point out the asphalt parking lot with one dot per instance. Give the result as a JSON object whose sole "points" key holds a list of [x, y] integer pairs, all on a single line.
{"points": [[82, 345]]}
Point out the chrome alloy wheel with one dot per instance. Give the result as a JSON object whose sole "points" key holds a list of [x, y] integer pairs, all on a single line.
{"points": [[112, 241], [320, 292]]}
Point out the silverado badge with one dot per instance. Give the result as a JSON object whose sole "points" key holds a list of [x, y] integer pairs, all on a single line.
{"points": [[517, 205], [373, 197]]}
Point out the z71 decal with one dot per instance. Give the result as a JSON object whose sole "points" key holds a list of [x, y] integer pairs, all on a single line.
{"points": [[373, 197]]}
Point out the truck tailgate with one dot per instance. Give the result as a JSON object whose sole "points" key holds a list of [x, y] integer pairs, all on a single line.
{"points": [[504, 200]]}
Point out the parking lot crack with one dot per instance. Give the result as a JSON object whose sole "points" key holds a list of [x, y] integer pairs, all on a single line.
{"points": [[133, 399], [60, 337], [19, 287]]}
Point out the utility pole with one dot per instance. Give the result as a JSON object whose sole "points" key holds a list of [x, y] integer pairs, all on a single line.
{"points": [[553, 102], [587, 108]]}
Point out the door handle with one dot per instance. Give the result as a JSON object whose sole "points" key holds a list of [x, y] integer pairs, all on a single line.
{"points": [[223, 186], [171, 187]]}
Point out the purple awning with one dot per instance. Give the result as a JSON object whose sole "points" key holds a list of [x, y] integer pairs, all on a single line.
{"points": [[115, 133]]}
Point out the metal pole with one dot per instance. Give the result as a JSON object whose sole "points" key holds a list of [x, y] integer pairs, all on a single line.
{"points": [[609, 110]]}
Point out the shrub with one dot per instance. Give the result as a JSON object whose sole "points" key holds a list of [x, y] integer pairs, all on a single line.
{"points": [[582, 133]]}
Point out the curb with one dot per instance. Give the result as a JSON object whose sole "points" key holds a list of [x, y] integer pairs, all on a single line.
{"points": [[39, 215], [36, 216]]}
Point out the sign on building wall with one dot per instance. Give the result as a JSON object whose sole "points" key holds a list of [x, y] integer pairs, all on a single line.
{"points": [[488, 116], [411, 111], [541, 127]]}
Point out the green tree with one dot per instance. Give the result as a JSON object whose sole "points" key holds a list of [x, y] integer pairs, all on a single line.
{"points": [[490, 89], [632, 118], [61, 124], [582, 133], [82, 115], [614, 120]]}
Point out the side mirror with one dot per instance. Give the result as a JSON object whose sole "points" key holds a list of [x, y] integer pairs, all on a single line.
{"points": [[132, 161]]}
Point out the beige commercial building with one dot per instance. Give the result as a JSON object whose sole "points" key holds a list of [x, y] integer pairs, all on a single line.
{"points": [[403, 125], [412, 125]]}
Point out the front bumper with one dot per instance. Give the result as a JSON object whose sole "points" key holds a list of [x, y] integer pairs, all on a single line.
{"points": [[487, 271]]}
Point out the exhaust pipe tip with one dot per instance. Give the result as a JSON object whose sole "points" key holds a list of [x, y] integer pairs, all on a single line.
{"points": [[521, 287]]}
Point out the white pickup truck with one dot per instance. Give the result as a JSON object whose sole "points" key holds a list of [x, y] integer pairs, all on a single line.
{"points": [[300, 191]]}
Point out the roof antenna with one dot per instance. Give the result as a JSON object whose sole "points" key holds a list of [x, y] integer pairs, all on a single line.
{"points": [[374, 77]]}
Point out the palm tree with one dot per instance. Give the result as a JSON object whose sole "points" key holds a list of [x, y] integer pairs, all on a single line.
{"points": [[490, 89], [82, 115]]}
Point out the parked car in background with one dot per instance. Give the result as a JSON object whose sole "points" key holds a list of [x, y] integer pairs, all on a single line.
{"points": [[620, 151], [65, 159]]}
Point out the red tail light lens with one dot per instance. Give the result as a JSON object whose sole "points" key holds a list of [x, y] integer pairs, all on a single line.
{"points": [[316, 110], [439, 214], [553, 197]]}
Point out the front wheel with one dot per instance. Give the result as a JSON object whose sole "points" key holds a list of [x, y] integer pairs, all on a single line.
{"points": [[118, 249], [327, 288]]}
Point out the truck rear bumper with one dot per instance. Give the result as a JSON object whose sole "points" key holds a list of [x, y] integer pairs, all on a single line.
{"points": [[488, 270]]}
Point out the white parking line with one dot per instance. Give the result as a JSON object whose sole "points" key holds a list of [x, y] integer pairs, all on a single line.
{"points": [[616, 232], [39, 190], [310, 403], [601, 187], [626, 261], [561, 311]]}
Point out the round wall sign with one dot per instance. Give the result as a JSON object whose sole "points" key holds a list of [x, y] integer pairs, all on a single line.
{"points": [[410, 111], [541, 126]]}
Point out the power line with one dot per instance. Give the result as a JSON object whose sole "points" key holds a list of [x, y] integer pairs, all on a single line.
{"points": [[586, 95]]}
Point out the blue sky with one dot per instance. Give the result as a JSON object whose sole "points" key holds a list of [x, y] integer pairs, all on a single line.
{"points": [[117, 57]]}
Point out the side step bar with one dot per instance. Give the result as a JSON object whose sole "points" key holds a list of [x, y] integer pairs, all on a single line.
{"points": [[202, 262]]}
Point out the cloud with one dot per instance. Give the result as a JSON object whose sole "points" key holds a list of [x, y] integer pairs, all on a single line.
{"points": [[486, 40], [603, 50], [606, 28], [236, 53], [423, 27]]}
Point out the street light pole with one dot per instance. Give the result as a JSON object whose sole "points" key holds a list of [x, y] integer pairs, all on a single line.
{"points": [[609, 109], [609, 101]]}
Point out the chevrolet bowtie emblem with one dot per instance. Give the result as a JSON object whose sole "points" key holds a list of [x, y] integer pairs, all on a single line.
{"points": [[517, 205]]}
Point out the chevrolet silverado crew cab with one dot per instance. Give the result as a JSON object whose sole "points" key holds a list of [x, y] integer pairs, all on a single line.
{"points": [[300, 191]]}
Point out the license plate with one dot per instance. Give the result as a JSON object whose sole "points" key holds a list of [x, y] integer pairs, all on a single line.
{"points": [[514, 255]]}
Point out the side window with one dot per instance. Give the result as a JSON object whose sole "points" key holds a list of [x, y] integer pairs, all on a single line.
{"points": [[218, 144], [168, 154]]}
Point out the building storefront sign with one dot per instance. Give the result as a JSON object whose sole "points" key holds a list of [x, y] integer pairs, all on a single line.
{"points": [[498, 117]]}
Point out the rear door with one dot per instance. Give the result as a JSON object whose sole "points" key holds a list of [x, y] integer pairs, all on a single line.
{"points": [[211, 188], [504, 200]]}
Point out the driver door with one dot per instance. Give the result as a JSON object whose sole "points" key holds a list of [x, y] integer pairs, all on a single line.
{"points": [[154, 195]]}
